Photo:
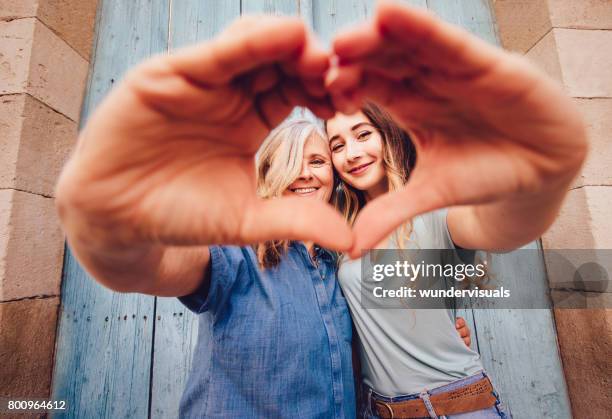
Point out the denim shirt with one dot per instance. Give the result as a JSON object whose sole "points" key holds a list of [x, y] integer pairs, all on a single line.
{"points": [[271, 343]]}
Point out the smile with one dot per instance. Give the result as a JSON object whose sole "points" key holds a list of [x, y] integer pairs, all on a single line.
{"points": [[303, 191], [360, 169]]}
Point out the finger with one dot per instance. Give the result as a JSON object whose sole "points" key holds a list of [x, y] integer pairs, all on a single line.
{"points": [[447, 46], [311, 63], [347, 103], [357, 42], [467, 341], [380, 217], [263, 79], [459, 323], [234, 52], [154, 83], [314, 87], [417, 33], [275, 105], [297, 219], [409, 103], [345, 78]]}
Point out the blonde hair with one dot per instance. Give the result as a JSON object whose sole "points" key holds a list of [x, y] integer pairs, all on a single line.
{"points": [[278, 164]]}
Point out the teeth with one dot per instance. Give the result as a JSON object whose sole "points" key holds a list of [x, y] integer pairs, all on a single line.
{"points": [[304, 190]]}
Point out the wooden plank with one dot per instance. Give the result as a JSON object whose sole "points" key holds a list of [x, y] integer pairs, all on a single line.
{"points": [[271, 7], [176, 333], [197, 20], [519, 346], [332, 16], [103, 354]]}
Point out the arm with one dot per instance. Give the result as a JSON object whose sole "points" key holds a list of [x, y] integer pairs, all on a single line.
{"points": [[147, 268], [504, 225], [165, 165], [496, 139]]}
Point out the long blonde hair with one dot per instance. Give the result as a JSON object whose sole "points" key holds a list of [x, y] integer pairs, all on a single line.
{"points": [[279, 163]]}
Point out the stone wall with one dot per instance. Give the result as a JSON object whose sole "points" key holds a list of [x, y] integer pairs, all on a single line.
{"points": [[572, 41], [45, 47]]}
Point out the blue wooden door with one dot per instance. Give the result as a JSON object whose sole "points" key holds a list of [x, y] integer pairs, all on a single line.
{"points": [[125, 356]]}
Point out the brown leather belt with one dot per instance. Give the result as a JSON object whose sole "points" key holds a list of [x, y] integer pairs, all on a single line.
{"points": [[473, 397]]}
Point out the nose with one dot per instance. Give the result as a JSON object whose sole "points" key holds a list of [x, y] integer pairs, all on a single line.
{"points": [[305, 173], [353, 150]]}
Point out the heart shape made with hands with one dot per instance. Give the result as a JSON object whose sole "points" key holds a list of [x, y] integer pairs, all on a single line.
{"points": [[168, 156]]}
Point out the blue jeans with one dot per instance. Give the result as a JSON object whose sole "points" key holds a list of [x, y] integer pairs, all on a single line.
{"points": [[494, 412]]}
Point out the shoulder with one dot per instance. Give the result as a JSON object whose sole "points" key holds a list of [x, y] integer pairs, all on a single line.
{"points": [[430, 230]]}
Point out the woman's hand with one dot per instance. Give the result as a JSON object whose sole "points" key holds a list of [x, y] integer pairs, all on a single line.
{"points": [[464, 331], [492, 133], [168, 157]]}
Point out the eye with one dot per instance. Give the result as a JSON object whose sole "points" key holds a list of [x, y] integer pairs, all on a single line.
{"points": [[363, 135], [337, 147], [317, 162]]}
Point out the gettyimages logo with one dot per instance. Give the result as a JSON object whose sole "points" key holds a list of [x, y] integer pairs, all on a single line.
{"points": [[523, 279]]}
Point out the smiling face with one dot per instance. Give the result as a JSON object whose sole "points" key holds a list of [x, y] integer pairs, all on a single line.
{"points": [[316, 178], [357, 152]]}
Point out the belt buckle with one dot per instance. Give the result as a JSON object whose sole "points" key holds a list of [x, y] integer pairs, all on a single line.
{"points": [[386, 405]]}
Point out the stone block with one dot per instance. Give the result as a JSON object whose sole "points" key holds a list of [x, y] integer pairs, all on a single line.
{"points": [[585, 57], [584, 221], [579, 59], [521, 23], [27, 346], [586, 351], [582, 14], [545, 55], [11, 9], [597, 114], [72, 20], [31, 246], [34, 60], [35, 142]]}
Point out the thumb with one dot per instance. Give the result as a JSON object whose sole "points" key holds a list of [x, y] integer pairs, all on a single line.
{"points": [[380, 217], [297, 218]]}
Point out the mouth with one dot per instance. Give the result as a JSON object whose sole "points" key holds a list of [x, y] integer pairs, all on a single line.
{"points": [[360, 169], [304, 191]]}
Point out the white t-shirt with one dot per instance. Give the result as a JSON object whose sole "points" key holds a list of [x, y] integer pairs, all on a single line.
{"points": [[405, 351]]}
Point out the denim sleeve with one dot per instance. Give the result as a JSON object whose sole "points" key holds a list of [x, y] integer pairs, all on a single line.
{"points": [[225, 264]]}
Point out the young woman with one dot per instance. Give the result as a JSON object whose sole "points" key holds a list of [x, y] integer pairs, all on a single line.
{"points": [[497, 143], [407, 356]]}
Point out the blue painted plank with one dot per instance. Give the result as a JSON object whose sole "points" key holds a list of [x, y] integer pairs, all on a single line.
{"points": [[197, 20], [176, 332], [102, 362], [271, 7], [332, 16], [473, 15], [519, 346], [103, 354]]}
